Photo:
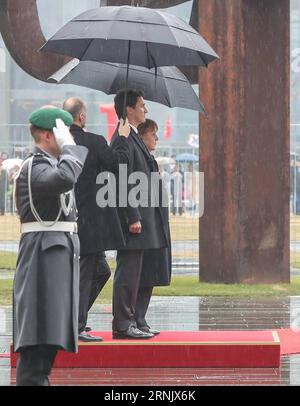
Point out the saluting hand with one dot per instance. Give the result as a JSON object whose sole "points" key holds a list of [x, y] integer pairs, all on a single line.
{"points": [[62, 134], [124, 128]]}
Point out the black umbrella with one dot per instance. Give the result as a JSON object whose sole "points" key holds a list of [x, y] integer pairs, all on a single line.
{"points": [[169, 87], [131, 35]]}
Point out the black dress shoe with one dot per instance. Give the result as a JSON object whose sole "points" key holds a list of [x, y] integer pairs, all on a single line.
{"points": [[87, 338], [149, 330], [132, 333]]}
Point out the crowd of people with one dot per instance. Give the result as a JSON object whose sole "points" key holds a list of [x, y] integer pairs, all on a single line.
{"points": [[179, 183], [182, 187]]}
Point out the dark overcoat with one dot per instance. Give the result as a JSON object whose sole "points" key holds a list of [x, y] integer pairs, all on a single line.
{"points": [[155, 238], [46, 284], [157, 263], [99, 229]]}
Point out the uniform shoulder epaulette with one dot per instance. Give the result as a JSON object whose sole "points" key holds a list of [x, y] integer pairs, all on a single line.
{"points": [[38, 154], [34, 154]]}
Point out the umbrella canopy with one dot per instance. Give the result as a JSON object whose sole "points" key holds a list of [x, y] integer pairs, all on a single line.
{"points": [[187, 158], [131, 35], [167, 86], [165, 160]]}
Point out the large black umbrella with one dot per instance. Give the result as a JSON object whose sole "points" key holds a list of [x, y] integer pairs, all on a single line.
{"points": [[131, 35], [167, 86]]}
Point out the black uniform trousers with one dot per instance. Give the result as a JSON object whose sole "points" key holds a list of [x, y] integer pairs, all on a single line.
{"points": [[35, 364], [130, 300], [94, 273]]}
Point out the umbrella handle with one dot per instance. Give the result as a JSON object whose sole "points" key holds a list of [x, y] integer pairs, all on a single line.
{"points": [[126, 83]]}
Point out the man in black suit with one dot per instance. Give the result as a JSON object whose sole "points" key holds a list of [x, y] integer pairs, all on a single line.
{"points": [[142, 225], [96, 233]]}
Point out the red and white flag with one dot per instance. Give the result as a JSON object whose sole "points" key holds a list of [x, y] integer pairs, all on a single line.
{"points": [[112, 119], [168, 129]]}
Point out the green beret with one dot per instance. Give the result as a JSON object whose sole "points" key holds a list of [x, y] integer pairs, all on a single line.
{"points": [[46, 118]]}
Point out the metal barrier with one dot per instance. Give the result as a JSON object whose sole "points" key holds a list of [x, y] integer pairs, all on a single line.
{"points": [[184, 221]]}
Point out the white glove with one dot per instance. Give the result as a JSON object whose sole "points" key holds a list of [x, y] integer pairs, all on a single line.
{"points": [[62, 134]]}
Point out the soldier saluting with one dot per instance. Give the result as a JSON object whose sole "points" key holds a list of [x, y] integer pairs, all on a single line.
{"points": [[46, 285]]}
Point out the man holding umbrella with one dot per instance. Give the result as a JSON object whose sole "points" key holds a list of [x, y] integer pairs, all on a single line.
{"points": [[142, 227], [96, 233], [147, 38]]}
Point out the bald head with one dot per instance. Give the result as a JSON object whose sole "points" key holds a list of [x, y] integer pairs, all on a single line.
{"points": [[77, 108]]}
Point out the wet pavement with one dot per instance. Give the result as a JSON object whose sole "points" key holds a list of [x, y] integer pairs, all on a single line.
{"points": [[184, 313]]}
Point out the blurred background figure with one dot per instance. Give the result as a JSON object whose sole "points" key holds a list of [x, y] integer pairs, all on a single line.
{"points": [[9, 170], [177, 190], [190, 189], [11, 185], [166, 180], [3, 188], [297, 191]]}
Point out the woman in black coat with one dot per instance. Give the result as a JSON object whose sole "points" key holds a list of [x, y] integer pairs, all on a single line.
{"points": [[157, 263]]}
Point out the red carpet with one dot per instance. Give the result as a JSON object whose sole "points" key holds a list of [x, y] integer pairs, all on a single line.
{"points": [[211, 349], [289, 341]]}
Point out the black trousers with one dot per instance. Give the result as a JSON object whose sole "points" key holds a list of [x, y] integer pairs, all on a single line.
{"points": [[130, 300], [94, 273], [35, 364], [142, 304]]}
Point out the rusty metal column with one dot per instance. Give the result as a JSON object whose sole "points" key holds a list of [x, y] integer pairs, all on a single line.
{"points": [[245, 143]]}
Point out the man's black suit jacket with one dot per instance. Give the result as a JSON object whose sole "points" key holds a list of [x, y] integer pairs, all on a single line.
{"points": [[99, 229], [154, 234]]}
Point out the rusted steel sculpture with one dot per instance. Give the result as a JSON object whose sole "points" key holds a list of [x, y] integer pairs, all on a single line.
{"points": [[22, 34], [245, 144]]}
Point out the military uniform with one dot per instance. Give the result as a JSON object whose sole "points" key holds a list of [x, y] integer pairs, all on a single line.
{"points": [[46, 285]]}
